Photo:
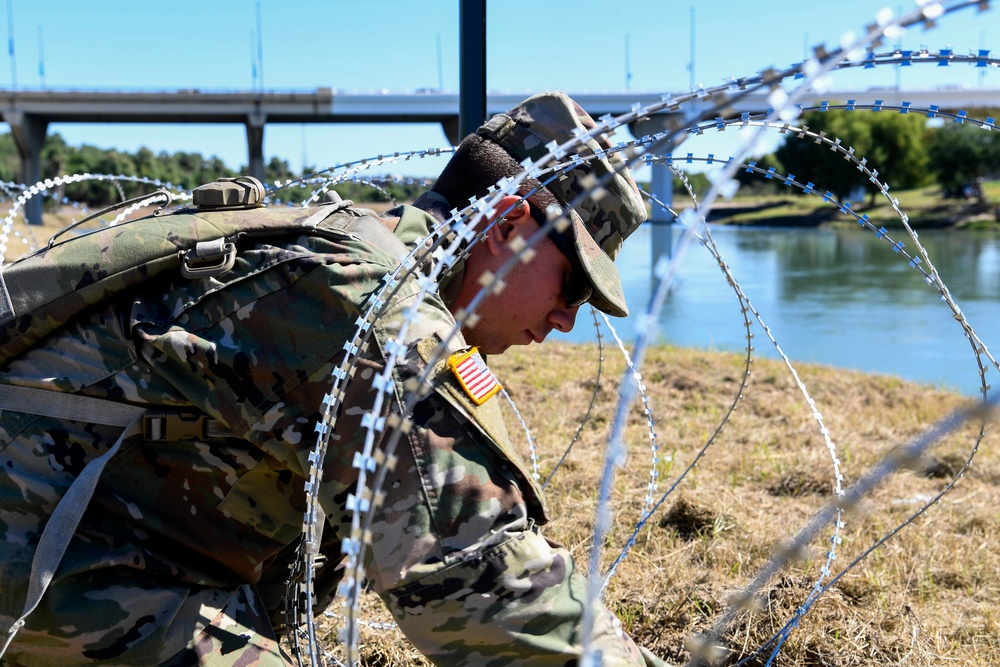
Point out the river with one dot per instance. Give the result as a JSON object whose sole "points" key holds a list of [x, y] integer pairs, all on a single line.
{"points": [[840, 297]]}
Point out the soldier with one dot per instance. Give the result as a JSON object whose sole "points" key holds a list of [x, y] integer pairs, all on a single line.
{"points": [[183, 544]]}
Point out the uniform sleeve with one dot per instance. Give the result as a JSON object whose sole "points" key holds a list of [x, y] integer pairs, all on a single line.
{"points": [[458, 557]]}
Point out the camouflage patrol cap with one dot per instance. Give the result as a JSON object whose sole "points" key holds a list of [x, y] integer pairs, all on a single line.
{"points": [[603, 219]]}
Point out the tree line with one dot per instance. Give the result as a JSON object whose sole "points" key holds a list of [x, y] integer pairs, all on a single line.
{"points": [[907, 150], [181, 169]]}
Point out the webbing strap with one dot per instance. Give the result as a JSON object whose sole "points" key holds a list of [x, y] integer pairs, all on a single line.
{"points": [[155, 424], [74, 407], [62, 525], [60, 530], [6, 307]]}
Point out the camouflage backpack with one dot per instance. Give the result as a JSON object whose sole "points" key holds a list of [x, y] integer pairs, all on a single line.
{"points": [[40, 293]]}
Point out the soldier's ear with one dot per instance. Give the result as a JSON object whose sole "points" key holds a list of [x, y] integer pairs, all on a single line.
{"points": [[513, 208], [513, 213]]}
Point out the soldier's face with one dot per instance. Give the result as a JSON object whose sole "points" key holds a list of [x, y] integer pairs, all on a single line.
{"points": [[532, 304]]}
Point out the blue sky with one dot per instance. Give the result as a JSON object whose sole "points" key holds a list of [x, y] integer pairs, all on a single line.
{"points": [[573, 45]]}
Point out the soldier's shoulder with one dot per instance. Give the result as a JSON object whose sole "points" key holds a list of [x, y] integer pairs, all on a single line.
{"points": [[463, 379]]}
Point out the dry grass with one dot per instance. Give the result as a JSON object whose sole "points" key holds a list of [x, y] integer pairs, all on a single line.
{"points": [[929, 596], [23, 236]]}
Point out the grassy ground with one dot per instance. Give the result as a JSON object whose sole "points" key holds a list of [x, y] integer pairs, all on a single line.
{"points": [[927, 597]]}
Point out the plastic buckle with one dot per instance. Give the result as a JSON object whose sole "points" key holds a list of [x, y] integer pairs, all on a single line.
{"points": [[168, 426], [208, 259]]}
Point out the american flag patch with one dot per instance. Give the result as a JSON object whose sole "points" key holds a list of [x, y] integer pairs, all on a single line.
{"points": [[476, 379]]}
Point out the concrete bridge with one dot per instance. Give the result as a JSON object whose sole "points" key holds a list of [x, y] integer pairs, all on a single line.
{"points": [[29, 112]]}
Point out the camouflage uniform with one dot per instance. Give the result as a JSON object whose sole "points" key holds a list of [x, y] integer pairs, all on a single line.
{"points": [[180, 555]]}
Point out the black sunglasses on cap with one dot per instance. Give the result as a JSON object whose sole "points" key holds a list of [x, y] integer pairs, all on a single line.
{"points": [[577, 290]]}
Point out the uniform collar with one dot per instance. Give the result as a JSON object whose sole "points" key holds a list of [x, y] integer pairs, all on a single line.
{"points": [[436, 207]]}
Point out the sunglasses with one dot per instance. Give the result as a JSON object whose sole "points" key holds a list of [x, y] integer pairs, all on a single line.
{"points": [[577, 289]]}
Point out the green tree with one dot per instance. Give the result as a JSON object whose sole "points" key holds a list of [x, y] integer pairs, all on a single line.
{"points": [[899, 150], [10, 160], [961, 154], [892, 144], [55, 155], [697, 179], [814, 162]]}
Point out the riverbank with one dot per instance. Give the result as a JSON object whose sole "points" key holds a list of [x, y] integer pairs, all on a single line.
{"points": [[927, 597], [924, 207]]}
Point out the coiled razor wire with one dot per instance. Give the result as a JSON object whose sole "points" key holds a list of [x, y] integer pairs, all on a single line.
{"points": [[367, 461], [705, 649], [365, 501], [532, 169], [44, 186], [614, 459], [451, 240], [932, 279]]}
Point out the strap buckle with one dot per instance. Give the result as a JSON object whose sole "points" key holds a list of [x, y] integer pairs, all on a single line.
{"points": [[208, 259], [172, 425]]}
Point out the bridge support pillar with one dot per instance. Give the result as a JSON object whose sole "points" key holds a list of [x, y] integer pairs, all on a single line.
{"points": [[29, 136], [255, 145], [662, 187]]}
